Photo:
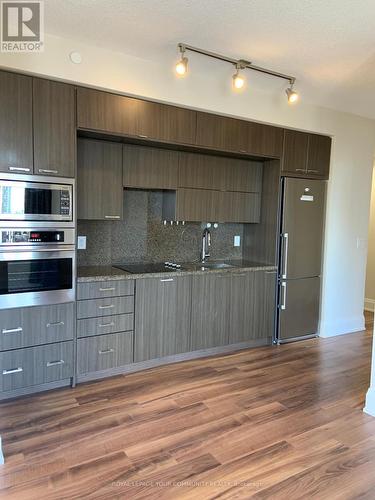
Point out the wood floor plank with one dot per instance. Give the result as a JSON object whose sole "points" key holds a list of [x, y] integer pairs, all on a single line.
{"points": [[274, 422]]}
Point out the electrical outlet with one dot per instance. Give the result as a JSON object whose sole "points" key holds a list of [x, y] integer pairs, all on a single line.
{"points": [[81, 245], [237, 241]]}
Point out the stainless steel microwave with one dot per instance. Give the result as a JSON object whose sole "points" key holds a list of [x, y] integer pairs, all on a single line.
{"points": [[34, 200]]}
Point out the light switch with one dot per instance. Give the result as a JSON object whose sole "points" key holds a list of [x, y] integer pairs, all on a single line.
{"points": [[237, 241], [81, 243]]}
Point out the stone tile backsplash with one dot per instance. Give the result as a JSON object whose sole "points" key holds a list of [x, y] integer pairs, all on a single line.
{"points": [[141, 236]]}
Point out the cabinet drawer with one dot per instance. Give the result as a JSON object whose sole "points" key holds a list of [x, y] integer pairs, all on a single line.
{"points": [[36, 365], [104, 352], [105, 307], [111, 324], [30, 326], [102, 289]]}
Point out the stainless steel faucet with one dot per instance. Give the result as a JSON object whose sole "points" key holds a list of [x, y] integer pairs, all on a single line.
{"points": [[206, 244]]}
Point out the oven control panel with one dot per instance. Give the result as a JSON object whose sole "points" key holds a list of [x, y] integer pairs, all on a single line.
{"points": [[22, 237]]}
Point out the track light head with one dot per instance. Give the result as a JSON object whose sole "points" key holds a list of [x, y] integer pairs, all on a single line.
{"points": [[238, 80], [182, 65], [291, 94]]}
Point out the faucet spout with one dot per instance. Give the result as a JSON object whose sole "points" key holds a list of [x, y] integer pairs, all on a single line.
{"points": [[206, 244]]}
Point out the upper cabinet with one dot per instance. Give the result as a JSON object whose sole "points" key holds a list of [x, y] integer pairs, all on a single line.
{"points": [[230, 134], [16, 140], [99, 180], [149, 168], [111, 113], [306, 155], [54, 128]]}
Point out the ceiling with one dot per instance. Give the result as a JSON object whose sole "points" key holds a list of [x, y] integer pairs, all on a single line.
{"points": [[329, 45]]}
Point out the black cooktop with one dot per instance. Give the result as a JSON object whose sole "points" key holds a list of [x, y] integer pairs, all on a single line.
{"points": [[141, 268]]}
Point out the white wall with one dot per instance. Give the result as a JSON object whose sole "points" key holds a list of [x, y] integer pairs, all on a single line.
{"points": [[370, 274], [207, 87]]}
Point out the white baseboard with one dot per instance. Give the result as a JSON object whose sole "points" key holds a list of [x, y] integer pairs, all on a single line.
{"points": [[1, 454], [370, 402], [370, 305], [342, 326]]}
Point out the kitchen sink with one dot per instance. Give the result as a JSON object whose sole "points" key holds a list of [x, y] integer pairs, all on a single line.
{"points": [[203, 266]]}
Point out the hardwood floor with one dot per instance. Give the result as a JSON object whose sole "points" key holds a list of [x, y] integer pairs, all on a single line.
{"points": [[276, 422]]}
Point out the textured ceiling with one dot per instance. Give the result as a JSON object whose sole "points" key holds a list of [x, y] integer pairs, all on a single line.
{"points": [[329, 45]]}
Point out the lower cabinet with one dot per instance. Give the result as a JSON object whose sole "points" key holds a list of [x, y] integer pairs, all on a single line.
{"points": [[162, 317], [31, 326], [252, 311], [210, 318], [103, 352], [36, 365]]}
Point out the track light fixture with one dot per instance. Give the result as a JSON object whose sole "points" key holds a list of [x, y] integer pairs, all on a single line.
{"points": [[291, 94], [238, 79], [182, 65]]}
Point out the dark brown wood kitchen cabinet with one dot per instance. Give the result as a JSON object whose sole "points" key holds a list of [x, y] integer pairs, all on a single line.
{"points": [[99, 180], [319, 155], [230, 134], [16, 140], [306, 155], [210, 318], [162, 317], [197, 205], [54, 128], [112, 113], [149, 168], [252, 310]]}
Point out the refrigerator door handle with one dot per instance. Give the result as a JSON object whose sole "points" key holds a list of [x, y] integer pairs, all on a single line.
{"points": [[285, 255], [283, 293]]}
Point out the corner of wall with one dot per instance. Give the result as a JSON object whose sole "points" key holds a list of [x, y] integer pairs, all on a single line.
{"points": [[342, 326], [370, 402]]}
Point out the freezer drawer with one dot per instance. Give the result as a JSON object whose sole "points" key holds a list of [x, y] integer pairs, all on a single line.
{"points": [[302, 228], [298, 308]]}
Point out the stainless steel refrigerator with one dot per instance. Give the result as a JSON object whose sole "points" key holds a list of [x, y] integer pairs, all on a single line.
{"points": [[300, 259]]}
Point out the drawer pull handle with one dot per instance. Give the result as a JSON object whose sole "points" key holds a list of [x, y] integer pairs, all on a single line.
{"points": [[166, 280], [239, 275], [106, 289], [19, 169], [300, 170], [111, 216], [106, 351], [312, 171], [12, 330], [13, 370], [54, 363], [47, 171], [271, 272], [103, 325], [107, 307], [142, 136], [59, 323]]}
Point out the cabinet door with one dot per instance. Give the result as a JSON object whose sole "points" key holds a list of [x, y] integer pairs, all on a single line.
{"points": [[149, 168], [243, 176], [122, 115], [16, 148], [263, 139], [99, 180], [295, 152], [319, 155], [203, 171], [210, 317], [242, 207], [162, 317], [220, 132], [253, 306], [197, 205], [54, 128]]}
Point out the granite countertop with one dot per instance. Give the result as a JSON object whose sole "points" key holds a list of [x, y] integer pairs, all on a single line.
{"points": [[104, 273]]}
